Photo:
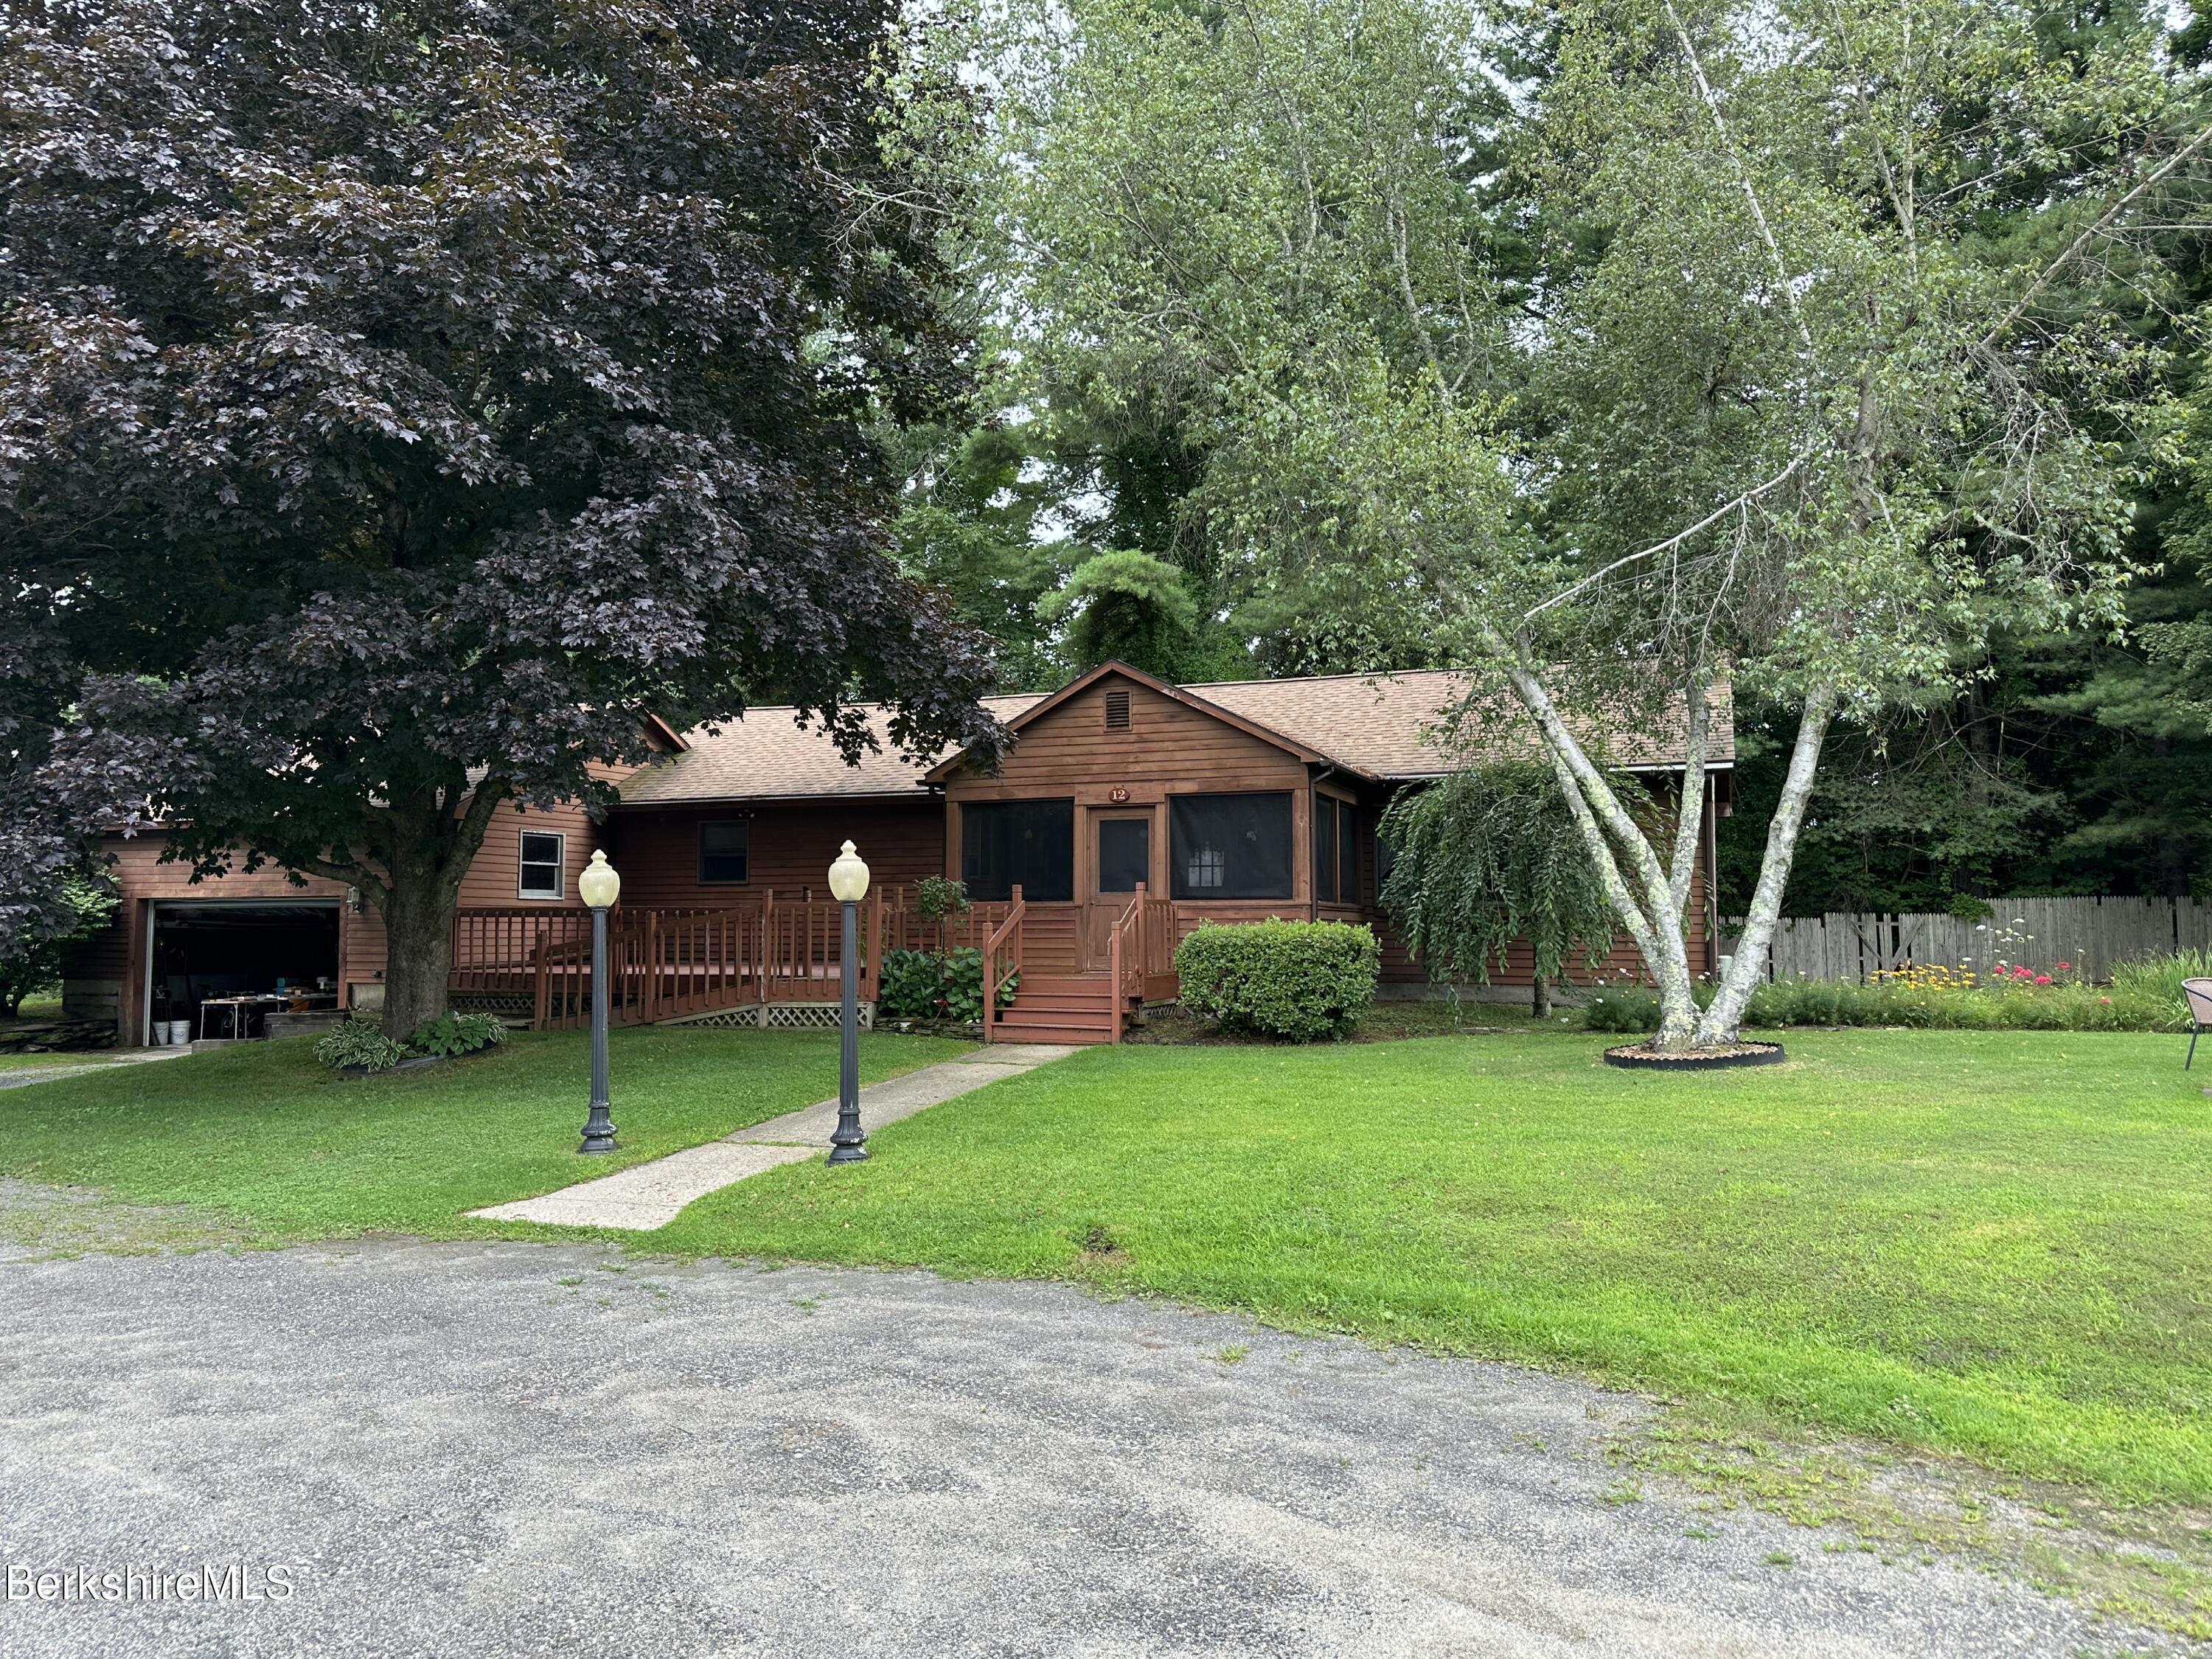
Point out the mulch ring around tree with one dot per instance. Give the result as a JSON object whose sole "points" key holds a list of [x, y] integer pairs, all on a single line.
{"points": [[1643, 1056]]}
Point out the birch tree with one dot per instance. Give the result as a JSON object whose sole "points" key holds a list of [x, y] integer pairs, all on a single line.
{"points": [[1776, 408]]}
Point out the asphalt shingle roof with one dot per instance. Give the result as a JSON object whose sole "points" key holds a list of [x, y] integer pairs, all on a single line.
{"points": [[1375, 724], [768, 755]]}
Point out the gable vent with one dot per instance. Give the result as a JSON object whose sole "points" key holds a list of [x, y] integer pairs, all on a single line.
{"points": [[1117, 711]]}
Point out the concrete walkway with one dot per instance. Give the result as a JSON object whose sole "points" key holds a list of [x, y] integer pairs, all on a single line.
{"points": [[650, 1196], [22, 1077]]}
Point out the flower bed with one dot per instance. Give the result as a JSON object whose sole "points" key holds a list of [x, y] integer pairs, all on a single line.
{"points": [[2143, 996]]}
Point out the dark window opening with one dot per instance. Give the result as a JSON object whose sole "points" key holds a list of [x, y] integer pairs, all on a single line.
{"points": [[544, 859], [1230, 846], [1324, 849], [1347, 855], [1117, 711], [1125, 853], [725, 852], [1030, 844]]}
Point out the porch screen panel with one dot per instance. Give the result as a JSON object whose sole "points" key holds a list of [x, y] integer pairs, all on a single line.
{"points": [[1324, 849], [1029, 843], [1347, 855], [1230, 846]]}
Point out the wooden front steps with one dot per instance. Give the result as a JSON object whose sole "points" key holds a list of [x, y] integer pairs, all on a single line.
{"points": [[1061, 1010]]}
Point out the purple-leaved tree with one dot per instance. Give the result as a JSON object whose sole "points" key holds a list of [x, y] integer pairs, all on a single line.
{"points": [[398, 400]]}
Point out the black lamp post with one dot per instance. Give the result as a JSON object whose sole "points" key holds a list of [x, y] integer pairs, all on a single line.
{"points": [[848, 882], [598, 887]]}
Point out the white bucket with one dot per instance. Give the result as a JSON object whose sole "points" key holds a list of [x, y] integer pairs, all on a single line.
{"points": [[158, 1032], [180, 1031]]}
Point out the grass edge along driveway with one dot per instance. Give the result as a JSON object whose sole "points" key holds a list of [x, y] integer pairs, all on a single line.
{"points": [[1997, 1245], [264, 1134]]}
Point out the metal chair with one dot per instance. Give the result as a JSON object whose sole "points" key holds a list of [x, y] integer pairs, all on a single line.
{"points": [[2198, 992]]}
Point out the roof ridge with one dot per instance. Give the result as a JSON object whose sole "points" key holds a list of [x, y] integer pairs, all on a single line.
{"points": [[1315, 679], [793, 707]]}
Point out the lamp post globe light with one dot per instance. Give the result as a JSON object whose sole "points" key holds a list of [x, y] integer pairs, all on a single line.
{"points": [[598, 887], [848, 884]]}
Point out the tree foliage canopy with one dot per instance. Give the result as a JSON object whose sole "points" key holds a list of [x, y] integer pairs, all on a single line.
{"points": [[1803, 368], [398, 401]]}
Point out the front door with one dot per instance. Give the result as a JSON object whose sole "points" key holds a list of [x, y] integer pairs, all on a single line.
{"points": [[1120, 856]]}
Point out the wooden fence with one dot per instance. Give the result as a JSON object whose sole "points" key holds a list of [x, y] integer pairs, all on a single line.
{"points": [[2089, 934]]}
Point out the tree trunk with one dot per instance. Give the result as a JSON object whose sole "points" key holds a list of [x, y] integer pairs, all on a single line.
{"points": [[418, 929], [1539, 996], [1724, 1019], [1643, 892], [425, 847]]}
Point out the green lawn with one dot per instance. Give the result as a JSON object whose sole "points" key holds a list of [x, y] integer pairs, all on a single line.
{"points": [[263, 1133], [1996, 1244]]}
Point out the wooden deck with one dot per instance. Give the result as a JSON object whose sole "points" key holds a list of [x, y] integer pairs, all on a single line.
{"points": [[668, 963]]}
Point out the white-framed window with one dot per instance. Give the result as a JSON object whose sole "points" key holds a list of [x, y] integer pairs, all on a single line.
{"points": [[544, 862]]}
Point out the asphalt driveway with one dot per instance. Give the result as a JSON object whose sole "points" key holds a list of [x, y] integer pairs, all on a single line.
{"points": [[525, 1450]]}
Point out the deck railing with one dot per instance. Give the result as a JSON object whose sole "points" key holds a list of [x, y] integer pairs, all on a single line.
{"points": [[673, 962], [664, 962]]}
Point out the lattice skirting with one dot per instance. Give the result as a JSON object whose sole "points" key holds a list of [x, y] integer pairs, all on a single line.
{"points": [[507, 1005], [779, 1016]]}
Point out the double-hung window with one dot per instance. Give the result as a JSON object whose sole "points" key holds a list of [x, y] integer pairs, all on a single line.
{"points": [[725, 853], [545, 864]]}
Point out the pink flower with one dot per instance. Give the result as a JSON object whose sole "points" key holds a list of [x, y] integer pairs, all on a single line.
{"points": [[2103, 998], [2064, 966], [2043, 979]]}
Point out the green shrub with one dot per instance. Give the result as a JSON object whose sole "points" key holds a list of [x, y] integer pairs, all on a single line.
{"points": [[1626, 1008], [962, 979], [456, 1034], [925, 985], [911, 986], [358, 1042], [939, 895], [1298, 980]]}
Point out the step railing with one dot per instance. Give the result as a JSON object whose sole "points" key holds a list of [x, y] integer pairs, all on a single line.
{"points": [[1125, 970], [1002, 960]]}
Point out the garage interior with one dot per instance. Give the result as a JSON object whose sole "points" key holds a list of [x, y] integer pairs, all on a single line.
{"points": [[282, 957]]}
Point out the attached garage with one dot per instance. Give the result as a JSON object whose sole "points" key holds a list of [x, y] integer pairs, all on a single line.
{"points": [[228, 966]]}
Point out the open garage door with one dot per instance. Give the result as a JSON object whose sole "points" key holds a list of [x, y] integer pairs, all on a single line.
{"points": [[207, 955]]}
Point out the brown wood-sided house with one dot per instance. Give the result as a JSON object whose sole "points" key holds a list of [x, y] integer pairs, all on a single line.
{"points": [[1126, 813]]}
